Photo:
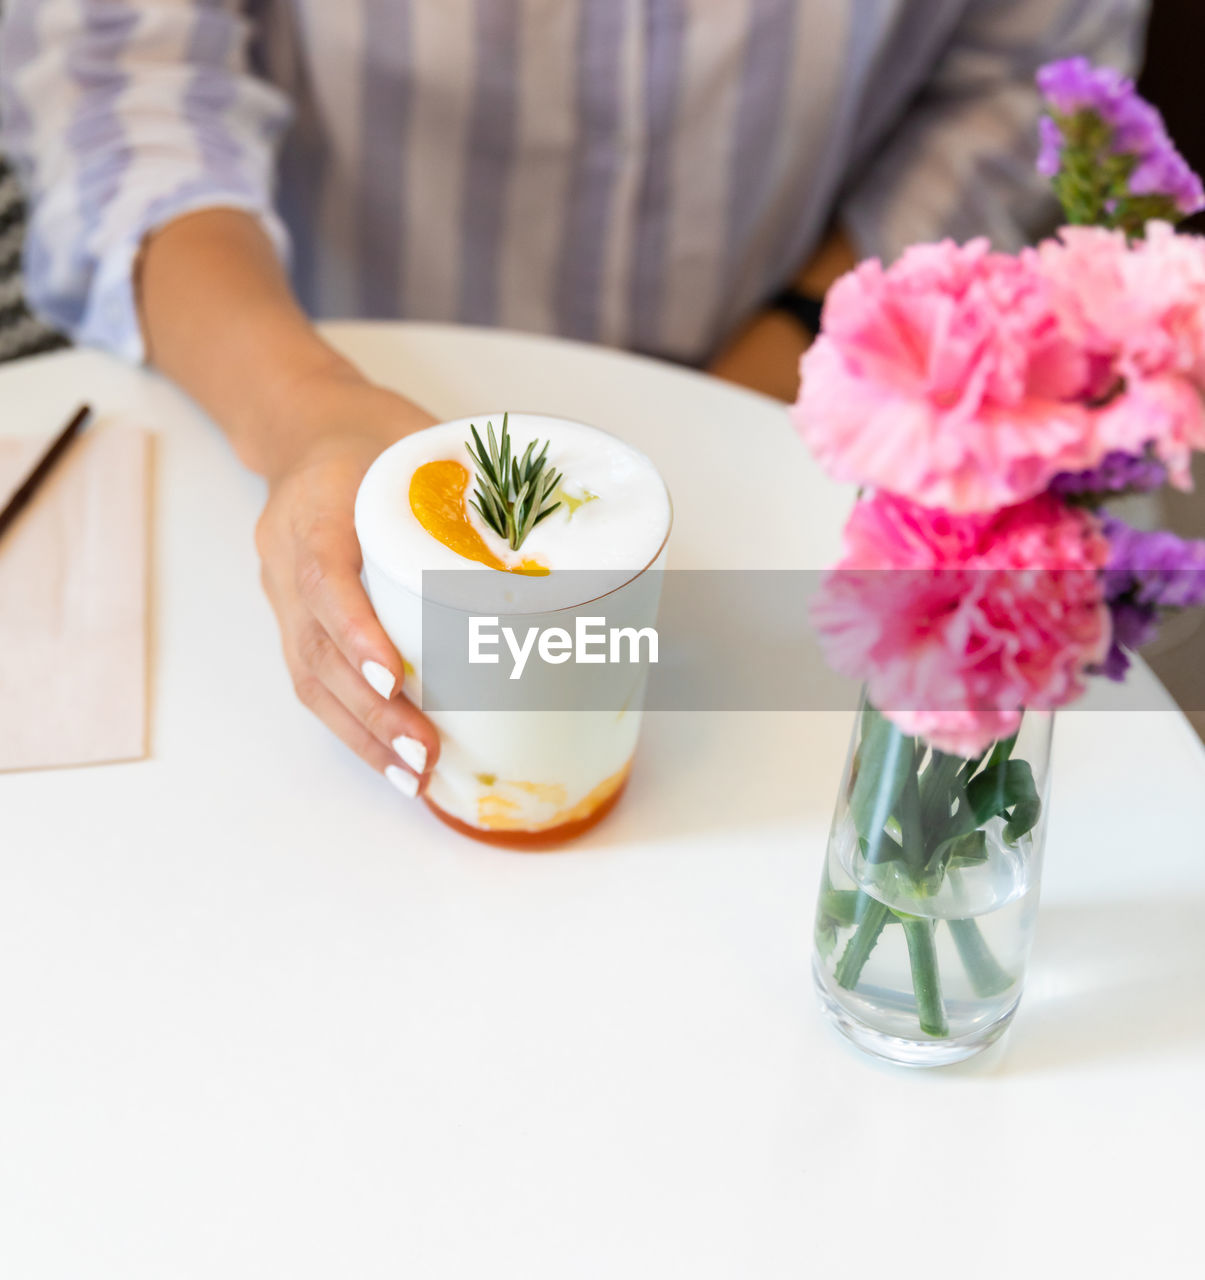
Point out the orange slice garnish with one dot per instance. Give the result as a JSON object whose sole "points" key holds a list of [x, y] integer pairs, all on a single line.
{"points": [[437, 498]]}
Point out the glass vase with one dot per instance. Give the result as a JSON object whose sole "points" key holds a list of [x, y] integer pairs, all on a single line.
{"points": [[929, 894]]}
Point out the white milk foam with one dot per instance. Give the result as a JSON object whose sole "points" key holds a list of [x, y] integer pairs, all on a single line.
{"points": [[622, 526]]}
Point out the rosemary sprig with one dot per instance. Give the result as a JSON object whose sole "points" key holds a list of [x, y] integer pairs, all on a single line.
{"points": [[512, 494]]}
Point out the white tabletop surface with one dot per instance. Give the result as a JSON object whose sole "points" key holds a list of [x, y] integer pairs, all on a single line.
{"points": [[261, 1017]]}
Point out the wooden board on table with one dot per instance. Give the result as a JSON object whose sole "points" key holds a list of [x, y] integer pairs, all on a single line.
{"points": [[73, 603]]}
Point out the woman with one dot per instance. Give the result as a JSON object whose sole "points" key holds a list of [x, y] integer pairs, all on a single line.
{"points": [[644, 173]]}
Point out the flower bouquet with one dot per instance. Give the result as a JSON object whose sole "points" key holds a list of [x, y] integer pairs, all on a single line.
{"points": [[987, 405]]}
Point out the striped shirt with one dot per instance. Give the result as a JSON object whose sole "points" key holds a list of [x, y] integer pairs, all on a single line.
{"points": [[641, 173]]}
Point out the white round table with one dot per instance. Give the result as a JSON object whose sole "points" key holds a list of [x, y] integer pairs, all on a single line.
{"points": [[261, 1017]]}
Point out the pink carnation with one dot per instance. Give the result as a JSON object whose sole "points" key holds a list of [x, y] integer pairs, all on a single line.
{"points": [[947, 379], [957, 623], [1138, 313]]}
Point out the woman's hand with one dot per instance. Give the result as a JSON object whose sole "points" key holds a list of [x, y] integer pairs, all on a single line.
{"points": [[343, 666]]}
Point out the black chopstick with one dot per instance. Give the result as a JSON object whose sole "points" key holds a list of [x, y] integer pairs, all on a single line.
{"points": [[43, 468]]}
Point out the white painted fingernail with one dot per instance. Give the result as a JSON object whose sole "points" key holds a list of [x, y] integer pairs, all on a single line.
{"points": [[381, 678], [404, 780], [412, 752]]}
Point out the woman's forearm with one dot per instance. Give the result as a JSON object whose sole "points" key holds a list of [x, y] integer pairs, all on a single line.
{"points": [[827, 265], [765, 354], [220, 320]]}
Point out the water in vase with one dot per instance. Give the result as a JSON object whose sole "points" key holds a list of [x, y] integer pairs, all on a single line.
{"points": [[971, 935]]}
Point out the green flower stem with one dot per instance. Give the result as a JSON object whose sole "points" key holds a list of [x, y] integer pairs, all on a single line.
{"points": [[839, 906], [926, 980], [858, 948], [987, 975], [923, 822]]}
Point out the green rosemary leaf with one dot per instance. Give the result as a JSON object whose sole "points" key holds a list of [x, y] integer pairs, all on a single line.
{"points": [[495, 456], [488, 518], [513, 491], [496, 514], [492, 514]]}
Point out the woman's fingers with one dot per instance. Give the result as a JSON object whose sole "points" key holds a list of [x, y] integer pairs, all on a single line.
{"points": [[395, 723], [384, 732], [328, 582], [319, 699]]}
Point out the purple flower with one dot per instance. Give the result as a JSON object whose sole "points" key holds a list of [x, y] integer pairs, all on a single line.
{"points": [[1133, 626], [1050, 158], [1146, 572], [1167, 173], [1117, 473], [1153, 568], [1073, 88], [1074, 85]]}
